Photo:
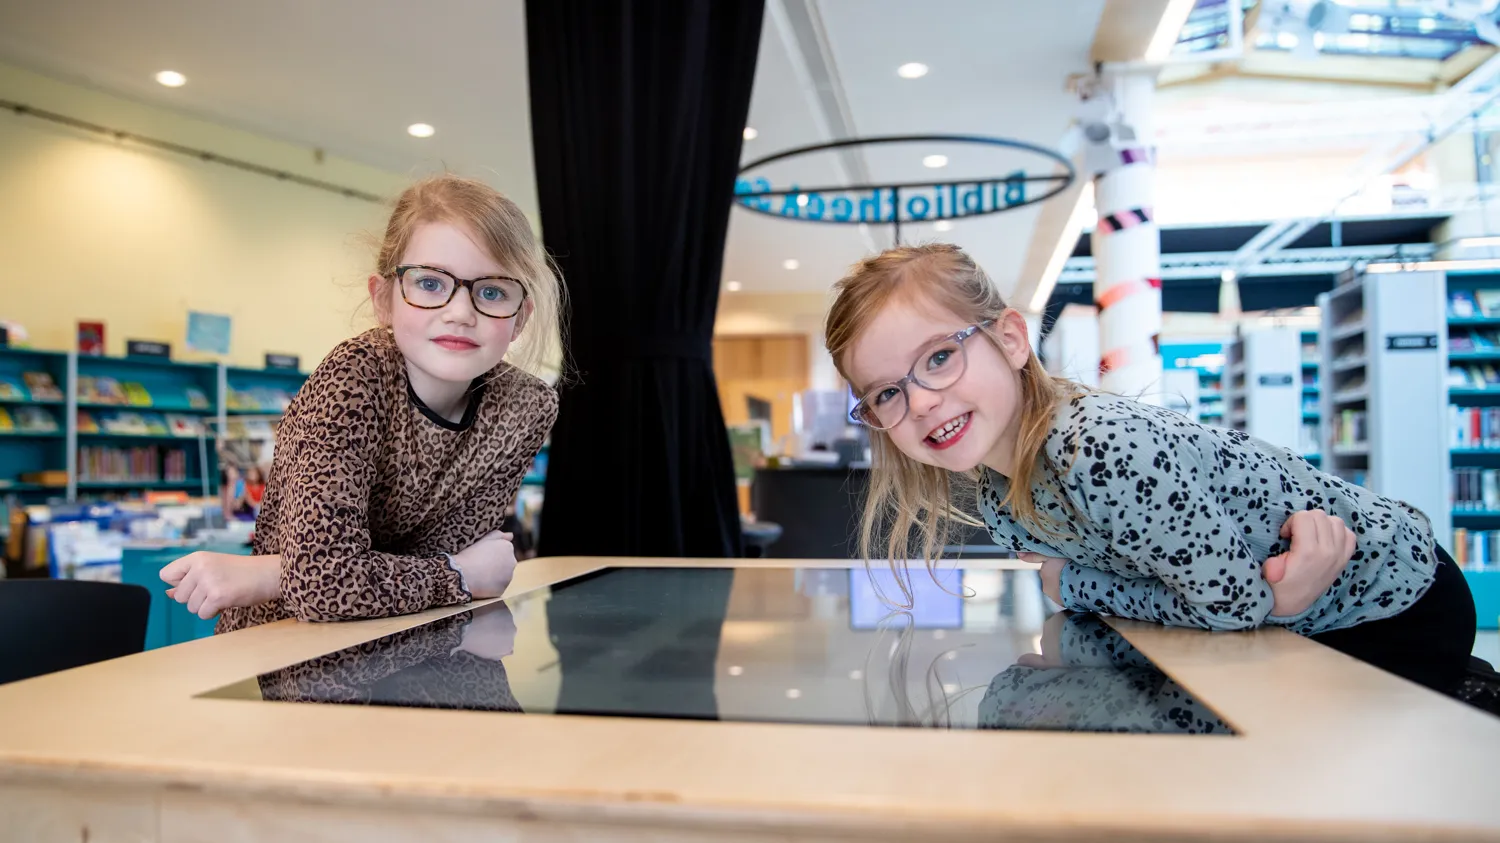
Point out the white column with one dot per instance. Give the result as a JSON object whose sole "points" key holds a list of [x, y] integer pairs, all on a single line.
{"points": [[1127, 248]]}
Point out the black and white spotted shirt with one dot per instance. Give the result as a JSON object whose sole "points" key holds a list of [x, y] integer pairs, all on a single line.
{"points": [[1169, 521]]}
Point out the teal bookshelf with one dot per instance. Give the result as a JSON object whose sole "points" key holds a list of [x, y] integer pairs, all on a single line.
{"points": [[260, 391], [120, 425], [1207, 358], [1473, 348], [33, 423]]}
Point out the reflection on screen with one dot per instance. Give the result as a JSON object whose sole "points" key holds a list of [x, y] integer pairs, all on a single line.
{"points": [[935, 604]]}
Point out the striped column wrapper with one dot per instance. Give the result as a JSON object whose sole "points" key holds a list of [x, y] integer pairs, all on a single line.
{"points": [[1119, 291], [1121, 220], [1120, 357]]}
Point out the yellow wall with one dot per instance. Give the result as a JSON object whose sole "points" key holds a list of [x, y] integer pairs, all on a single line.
{"points": [[94, 229]]}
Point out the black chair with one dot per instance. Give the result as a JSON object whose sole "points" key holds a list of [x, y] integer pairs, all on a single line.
{"points": [[52, 625]]}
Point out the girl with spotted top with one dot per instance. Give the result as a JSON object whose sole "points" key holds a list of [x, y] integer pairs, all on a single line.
{"points": [[398, 460], [1131, 510]]}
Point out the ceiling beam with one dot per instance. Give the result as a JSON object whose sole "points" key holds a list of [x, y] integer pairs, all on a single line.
{"points": [[1125, 29]]}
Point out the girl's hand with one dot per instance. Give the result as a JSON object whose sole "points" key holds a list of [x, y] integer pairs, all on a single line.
{"points": [[1051, 573], [1051, 646], [208, 583], [487, 565], [491, 634], [1321, 545]]}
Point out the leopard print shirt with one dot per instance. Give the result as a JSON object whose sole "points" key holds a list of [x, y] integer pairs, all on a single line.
{"points": [[1166, 520], [417, 668], [369, 490]]}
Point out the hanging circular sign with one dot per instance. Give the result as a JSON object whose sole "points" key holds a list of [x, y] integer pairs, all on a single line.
{"points": [[904, 202]]}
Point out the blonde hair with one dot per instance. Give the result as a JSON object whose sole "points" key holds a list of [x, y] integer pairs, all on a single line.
{"points": [[906, 496], [502, 230]]}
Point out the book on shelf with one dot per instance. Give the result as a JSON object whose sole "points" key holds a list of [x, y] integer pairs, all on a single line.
{"points": [[261, 400], [1462, 304], [181, 425], [35, 420], [1474, 489], [98, 390], [42, 386], [7, 424], [124, 424], [87, 423], [136, 395], [11, 390], [197, 399], [1474, 341], [137, 464], [1488, 301], [1473, 375], [155, 424], [1476, 550], [1473, 427], [1350, 428]]}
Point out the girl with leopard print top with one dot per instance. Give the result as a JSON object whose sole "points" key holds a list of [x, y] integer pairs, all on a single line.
{"points": [[1132, 510], [396, 463]]}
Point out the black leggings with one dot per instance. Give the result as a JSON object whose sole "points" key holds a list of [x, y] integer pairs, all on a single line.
{"points": [[1429, 643]]}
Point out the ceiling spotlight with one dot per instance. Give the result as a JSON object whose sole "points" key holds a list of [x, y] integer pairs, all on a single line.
{"points": [[793, 693], [171, 79], [912, 70], [735, 670], [734, 286], [420, 130], [942, 225], [935, 161], [750, 133], [790, 263]]}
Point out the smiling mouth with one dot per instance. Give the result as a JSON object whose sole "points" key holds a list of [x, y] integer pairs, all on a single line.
{"points": [[950, 432], [456, 343]]}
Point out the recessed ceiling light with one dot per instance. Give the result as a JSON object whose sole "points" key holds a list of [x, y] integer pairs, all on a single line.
{"points": [[912, 70], [750, 133], [856, 675], [420, 130], [942, 225], [935, 161], [790, 263], [171, 78], [793, 693], [735, 670], [734, 286]]}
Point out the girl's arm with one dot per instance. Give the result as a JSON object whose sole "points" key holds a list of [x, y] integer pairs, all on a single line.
{"points": [[1139, 483], [325, 470]]}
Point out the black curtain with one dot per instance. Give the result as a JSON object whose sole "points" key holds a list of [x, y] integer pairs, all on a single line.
{"points": [[637, 114]]}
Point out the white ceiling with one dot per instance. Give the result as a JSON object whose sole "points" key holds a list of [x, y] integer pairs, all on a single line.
{"points": [[348, 76]]}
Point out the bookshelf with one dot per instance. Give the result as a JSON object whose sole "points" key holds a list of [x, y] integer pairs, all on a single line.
{"points": [[1473, 380], [33, 432], [1263, 389], [1206, 360], [1381, 365], [1311, 438], [110, 426]]}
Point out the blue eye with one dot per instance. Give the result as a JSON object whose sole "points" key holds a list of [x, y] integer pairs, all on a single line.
{"points": [[939, 358], [431, 284], [886, 395], [492, 292]]}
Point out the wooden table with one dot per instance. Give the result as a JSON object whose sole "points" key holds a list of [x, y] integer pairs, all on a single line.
{"points": [[1329, 749]]}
